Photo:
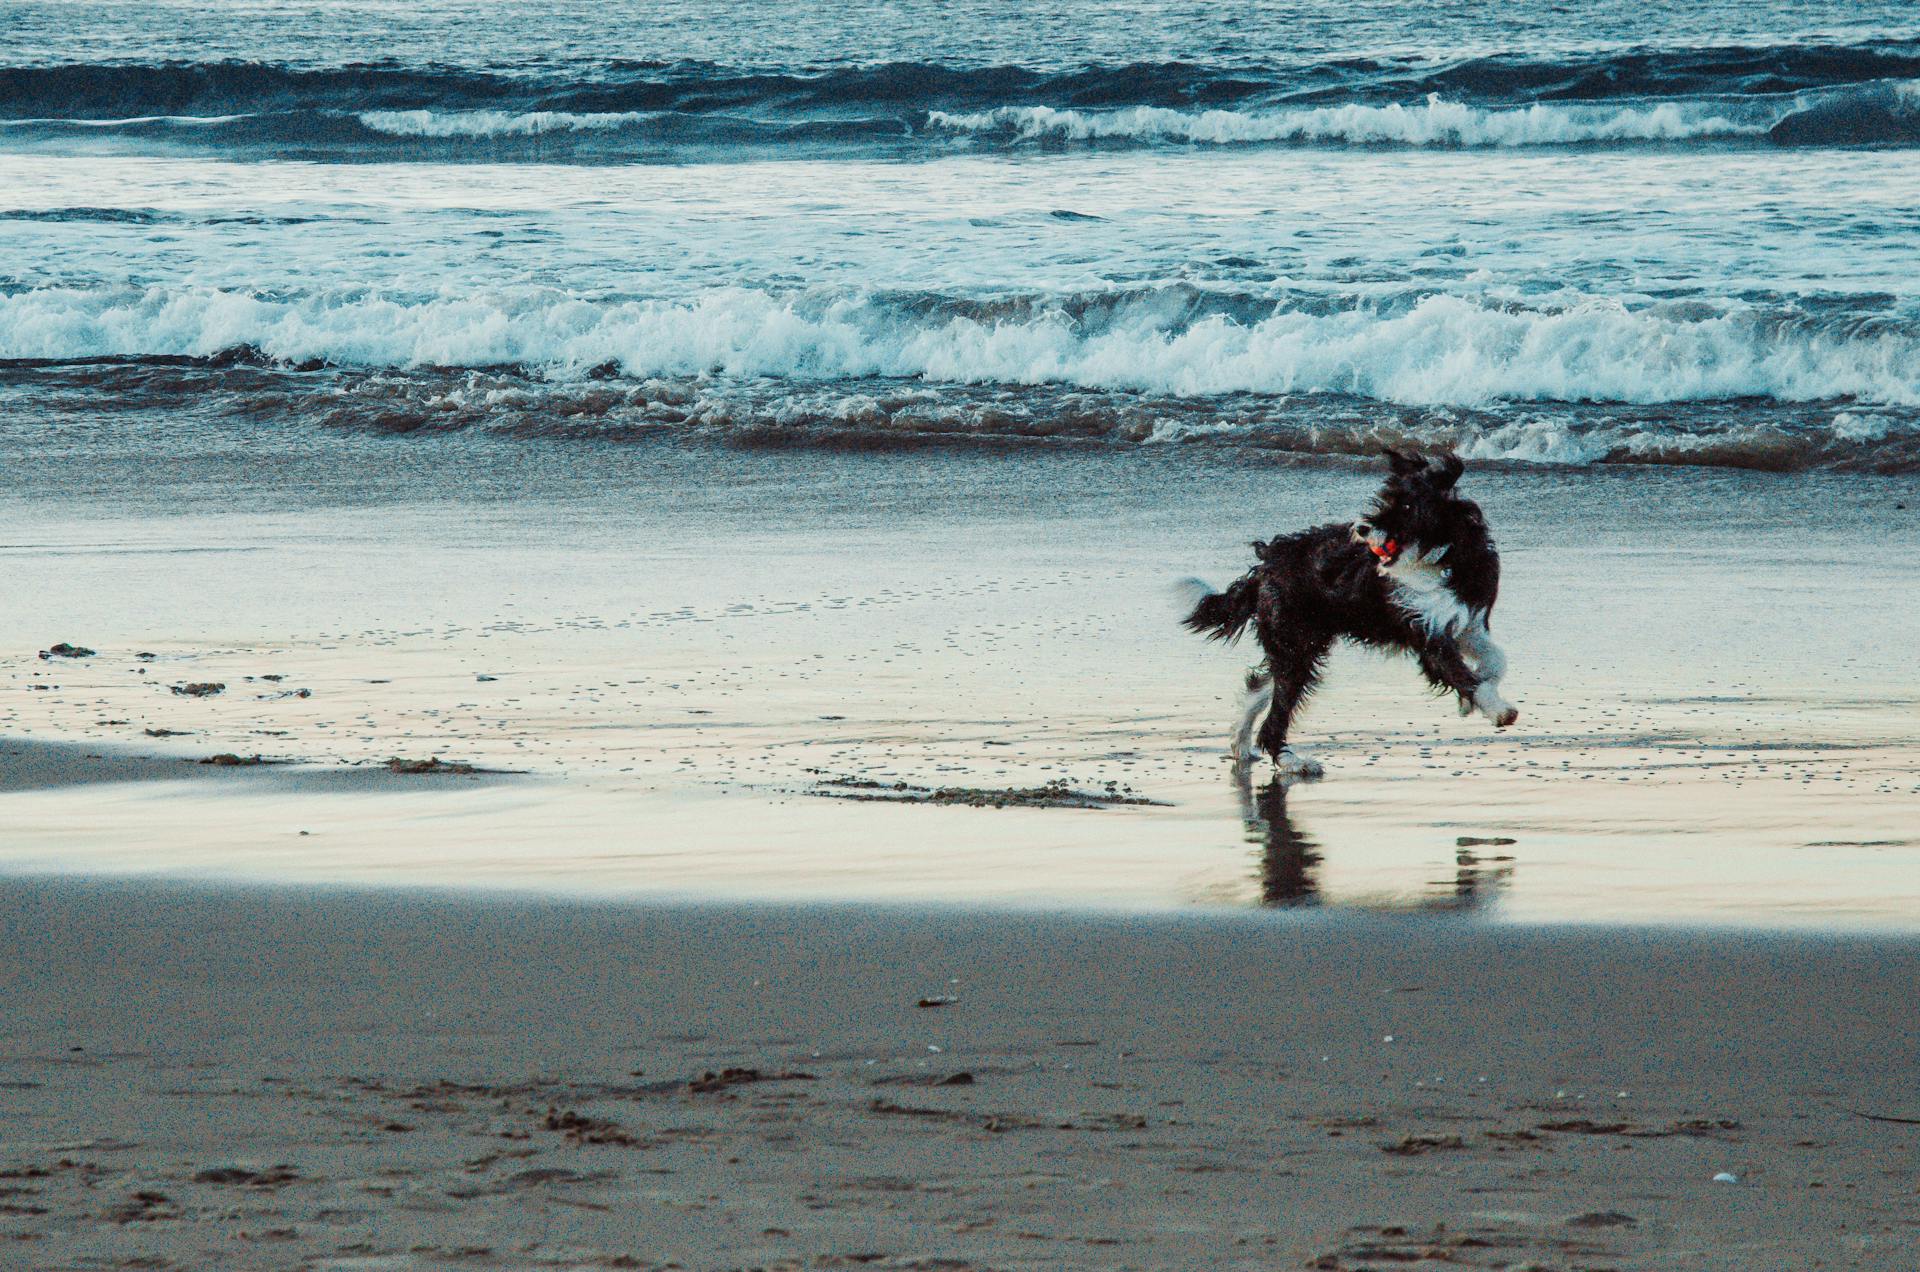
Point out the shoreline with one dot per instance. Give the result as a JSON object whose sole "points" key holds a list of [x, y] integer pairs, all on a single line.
{"points": [[674, 650]]}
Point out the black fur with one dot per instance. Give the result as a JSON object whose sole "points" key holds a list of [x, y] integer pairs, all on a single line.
{"points": [[1317, 586]]}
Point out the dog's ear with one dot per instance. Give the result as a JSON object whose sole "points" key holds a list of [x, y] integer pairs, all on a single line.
{"points": [[1402, 462], [1446, 470]]}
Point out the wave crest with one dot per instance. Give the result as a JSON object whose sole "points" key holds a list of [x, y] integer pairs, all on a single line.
{"points": [[1435, 123], [494, 123], [1427, 350]]}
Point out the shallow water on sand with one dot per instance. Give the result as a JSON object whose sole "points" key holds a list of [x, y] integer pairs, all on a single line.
{"points": [[677, 645]]}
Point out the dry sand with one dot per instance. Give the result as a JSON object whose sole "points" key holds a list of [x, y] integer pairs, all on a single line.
{"points": [[300, 1079]]}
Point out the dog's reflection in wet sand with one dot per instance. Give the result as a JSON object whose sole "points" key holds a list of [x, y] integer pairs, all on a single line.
{"points": [[1290, 862]]}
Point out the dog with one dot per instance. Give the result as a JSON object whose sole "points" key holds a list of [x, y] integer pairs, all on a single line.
{"points": [[1418, 574]]}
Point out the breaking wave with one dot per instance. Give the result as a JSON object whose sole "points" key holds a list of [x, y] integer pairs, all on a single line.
{"points": [[1437, 122], [494, 123], [1425, 350]]}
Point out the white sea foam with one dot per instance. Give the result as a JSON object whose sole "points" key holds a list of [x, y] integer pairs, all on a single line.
{"points": [[176, 121], [1850, 426], [1444, 350], [1436, 122], [493, 123]]}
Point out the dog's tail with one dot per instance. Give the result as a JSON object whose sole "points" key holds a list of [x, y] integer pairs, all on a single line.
{"points": [[1224, 615]]}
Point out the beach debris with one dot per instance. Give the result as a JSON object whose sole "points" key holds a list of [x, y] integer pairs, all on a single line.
{"points": [[1585, 1126], [434, 765], [486, 679], [927, 1079], [938, 1000], [1398, 1246], [1336, 1126], [64, 650], [145, 1207], [1058, 793], [1603, 1219], [167, 733], [200, 689], [581, 1129], [938, 1115], [1726, 1177], [271, 1177], [227, 759], [709, 1082], [145, 656], [1414, 1145], [1512, 1137], [1886, 1117], [1475, 841], [1692, 1128]]}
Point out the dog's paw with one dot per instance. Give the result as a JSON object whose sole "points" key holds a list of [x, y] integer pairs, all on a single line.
{"points": [[1290, 763], [1490, 704], [1466, 706]]}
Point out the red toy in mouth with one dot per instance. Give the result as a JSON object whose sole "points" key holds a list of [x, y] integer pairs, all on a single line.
{"points": [[1386, 551]]}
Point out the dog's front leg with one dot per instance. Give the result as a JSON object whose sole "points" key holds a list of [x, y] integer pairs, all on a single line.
{"points": [[1445, 668]]}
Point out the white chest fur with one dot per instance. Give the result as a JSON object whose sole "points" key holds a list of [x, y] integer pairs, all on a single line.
{"points": [[1420, 586]]}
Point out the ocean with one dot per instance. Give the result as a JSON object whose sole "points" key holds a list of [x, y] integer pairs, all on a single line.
{"points": [[1564, 234]]}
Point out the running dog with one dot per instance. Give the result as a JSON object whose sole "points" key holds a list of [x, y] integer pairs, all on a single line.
{"points": [[1419, 573]]}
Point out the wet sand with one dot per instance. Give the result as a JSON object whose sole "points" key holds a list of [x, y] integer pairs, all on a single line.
{"points": [[305, 1079], [676, 650]]}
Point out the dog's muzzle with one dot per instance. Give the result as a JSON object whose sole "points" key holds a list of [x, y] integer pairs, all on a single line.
{"points": [[1377, 542]]}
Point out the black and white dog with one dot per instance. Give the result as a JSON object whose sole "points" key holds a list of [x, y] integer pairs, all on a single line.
{"points": [[1418, 574]]}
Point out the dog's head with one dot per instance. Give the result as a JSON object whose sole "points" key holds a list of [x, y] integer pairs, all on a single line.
{"points": [[1417, 514]]}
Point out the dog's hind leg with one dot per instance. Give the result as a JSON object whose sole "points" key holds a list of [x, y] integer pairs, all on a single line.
{"points": [[1258, 696], [1294, 667]]}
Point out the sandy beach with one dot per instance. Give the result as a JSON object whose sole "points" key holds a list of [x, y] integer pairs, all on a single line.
{"points": [[679, 976], [221, 1078]]}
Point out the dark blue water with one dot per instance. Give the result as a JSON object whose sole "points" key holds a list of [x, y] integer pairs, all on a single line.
{"points": [[1548, 233]]}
